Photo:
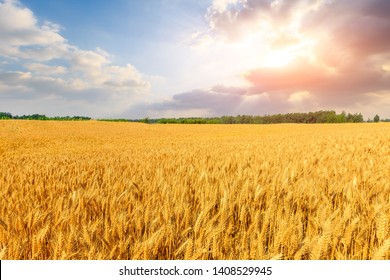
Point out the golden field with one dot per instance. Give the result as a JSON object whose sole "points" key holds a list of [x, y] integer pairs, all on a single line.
{"points": [[102, 190]]}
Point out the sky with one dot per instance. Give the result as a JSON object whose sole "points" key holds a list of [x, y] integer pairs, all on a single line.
{"points": [[194, 58]]}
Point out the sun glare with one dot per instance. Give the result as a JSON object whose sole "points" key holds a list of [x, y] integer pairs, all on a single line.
{"points": [[278, 59], [386, 67]]}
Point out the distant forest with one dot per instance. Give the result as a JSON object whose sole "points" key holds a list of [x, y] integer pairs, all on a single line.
{"points": [[311, 117], [7, 116]]}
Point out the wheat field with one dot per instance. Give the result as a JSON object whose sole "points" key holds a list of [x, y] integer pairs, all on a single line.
{"points": [[103, 190]]}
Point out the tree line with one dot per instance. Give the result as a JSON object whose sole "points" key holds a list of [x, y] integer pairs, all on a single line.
{"points": [[5, 116], [311, 117]]}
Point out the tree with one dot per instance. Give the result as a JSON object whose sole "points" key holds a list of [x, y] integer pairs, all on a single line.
{"points": [[341, 118], [358, 118], [5, 116], [376, 118], [145, 120]]}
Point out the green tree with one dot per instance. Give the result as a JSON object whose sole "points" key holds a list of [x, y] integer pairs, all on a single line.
{"points": [[145, 120], [5, 116], [341, 118], [376, 118], [358, 118]]}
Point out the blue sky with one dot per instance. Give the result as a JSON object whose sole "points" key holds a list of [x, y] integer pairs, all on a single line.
{"points": [[148, 34], [128, 29], [181, 58]]}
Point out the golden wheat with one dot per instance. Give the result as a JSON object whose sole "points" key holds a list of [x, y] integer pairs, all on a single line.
{"points": [[100, 190]]}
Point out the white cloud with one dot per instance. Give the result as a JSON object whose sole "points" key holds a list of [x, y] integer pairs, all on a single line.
{"points": [[44, 69], [222, 5], [88, 59], [19, 28], [44, 53], [124, 77], [200, 41], [96, 68], [14, 17], [299, 96]]}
